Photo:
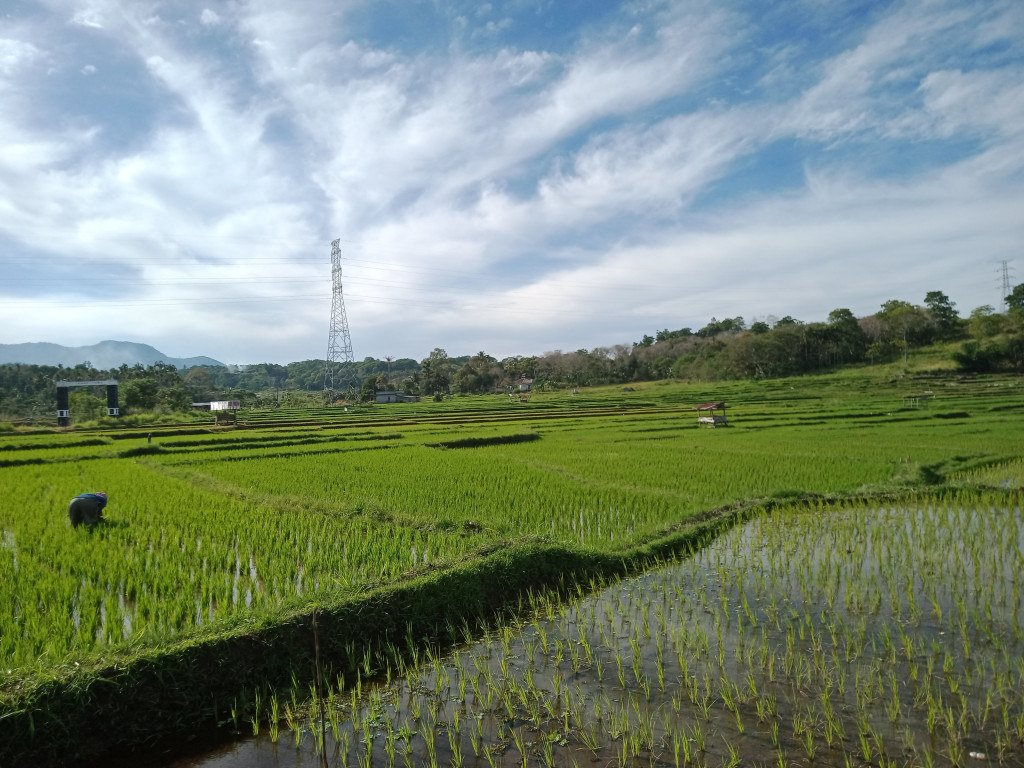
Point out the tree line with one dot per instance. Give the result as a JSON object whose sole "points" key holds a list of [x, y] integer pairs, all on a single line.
{"points": [[989, 341]]}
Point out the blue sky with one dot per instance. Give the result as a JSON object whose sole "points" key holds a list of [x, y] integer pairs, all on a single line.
{"points": [[513, 177]]}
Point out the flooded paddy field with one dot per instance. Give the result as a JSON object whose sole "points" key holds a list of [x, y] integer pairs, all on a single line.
{"points": [[840, 636]]}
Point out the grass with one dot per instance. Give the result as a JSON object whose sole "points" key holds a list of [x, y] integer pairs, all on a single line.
{"points": [[332, 507]]}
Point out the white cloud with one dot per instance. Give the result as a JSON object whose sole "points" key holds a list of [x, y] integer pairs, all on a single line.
{"points": [[984, 100], [493, 27], [88, 17], [1003, 23], [519, 198], [626, 74], [209, 18], [639, 172], [433, 134], [16, 55], [842, 243], [848, 98], [523, 68]]}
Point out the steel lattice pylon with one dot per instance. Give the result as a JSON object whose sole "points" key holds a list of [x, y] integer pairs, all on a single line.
{"points": [[339, 342], [1005, 269]]}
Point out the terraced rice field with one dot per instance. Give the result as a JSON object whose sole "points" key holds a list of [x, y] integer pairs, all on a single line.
{"points": [[207, 528]]}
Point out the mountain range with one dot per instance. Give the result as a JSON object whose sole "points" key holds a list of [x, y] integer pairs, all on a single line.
{"points": [[105, 355]]}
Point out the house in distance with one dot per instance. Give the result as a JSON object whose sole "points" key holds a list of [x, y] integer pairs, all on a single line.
{"points": [[395, 396]]}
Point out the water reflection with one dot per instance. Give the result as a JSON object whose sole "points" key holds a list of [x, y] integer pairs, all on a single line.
{"points": [[845, 635]]}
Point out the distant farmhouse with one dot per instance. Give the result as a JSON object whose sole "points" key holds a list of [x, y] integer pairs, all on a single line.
{"points": [[396, 396]]}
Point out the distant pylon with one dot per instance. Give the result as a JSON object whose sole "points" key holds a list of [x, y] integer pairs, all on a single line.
{"points": [[339, 342], [1007, 288]]}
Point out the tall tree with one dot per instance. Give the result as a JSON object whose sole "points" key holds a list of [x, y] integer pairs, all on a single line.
{"points": [[1015, 301], [847, 336], [716, 327], [478, 375], [906, 324], [437, 372], [985, 322], [943, 314], [139, 393]]}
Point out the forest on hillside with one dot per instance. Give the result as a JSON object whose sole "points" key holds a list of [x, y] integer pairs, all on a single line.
{"points": [[985, 341]]}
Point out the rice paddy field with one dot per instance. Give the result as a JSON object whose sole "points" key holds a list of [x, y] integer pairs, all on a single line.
{"points": [[893, 639], [863, 607]]}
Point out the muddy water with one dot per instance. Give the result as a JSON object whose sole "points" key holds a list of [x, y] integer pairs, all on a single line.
{"points": [[843, 636]]}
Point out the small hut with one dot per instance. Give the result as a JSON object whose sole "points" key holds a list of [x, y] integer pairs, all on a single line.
{"points": [[708, 415], [225, 411]]}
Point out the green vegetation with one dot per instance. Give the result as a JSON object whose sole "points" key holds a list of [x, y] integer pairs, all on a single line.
{"points": [[892, 637], [900, 332], [414, 520]]}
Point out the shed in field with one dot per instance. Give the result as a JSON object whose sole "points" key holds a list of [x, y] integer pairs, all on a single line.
{"points": [[395, 396], [225, 411], [708, 416]]}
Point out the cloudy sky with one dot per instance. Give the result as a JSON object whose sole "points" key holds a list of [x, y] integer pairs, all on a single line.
{"points": [[513, 177]]}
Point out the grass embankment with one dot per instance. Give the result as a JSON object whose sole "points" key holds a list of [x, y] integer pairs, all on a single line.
{"points": [[75, 712]]}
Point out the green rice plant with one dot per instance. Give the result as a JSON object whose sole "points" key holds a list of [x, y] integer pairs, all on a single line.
{"points": [[892, 706], [455, 744], [734, 755], [697, 735], [865, 746], [275, 718], [343, 749], [431, 747], [955, 751], [645, 686], [588, 737], [520, 743]]}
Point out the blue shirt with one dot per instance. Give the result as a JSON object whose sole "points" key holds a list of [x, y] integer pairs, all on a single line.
{"points": [[95, 497]]}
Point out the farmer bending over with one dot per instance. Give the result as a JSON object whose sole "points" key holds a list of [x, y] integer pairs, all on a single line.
{"points": [[87, 508]]}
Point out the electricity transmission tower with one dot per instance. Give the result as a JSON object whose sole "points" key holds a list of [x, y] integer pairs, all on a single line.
{"points": [[339, 342], [1005, 272]]}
